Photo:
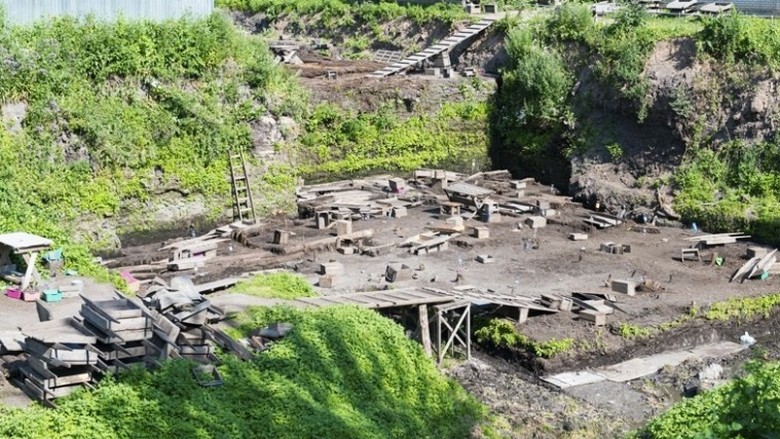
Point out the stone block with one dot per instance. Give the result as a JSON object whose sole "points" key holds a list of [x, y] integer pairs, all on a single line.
{"points": [[327, 281], [595, 317], [397, 185], [394, 273], [624, 286], [536, 222], [578, 236], [515, 184], [347, 250], [456, 221], [549, 213], [343, 227], [400, 212], [481, 232], [484, 259], [335, 268], [542, 204]]}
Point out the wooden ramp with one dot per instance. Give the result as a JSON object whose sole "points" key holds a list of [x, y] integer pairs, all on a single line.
{"points": [[442, 46]]}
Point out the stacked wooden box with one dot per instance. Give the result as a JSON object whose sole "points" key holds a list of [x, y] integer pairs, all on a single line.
{"points": [[61, 358], [121, 328]]}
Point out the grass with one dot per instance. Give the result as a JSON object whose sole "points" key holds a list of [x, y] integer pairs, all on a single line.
{"points": [[275, 286]]}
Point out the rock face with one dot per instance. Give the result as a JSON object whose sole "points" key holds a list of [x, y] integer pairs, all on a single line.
{"points": [[628, 163]]}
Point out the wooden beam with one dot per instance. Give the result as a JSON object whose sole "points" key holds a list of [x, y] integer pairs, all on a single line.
{"points": [[425, 334]]}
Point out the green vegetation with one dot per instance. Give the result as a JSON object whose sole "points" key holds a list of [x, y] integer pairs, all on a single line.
{"points": [[276, 286], [115, 111], [737, 38], [732, 188], [339, 142], [743, 308], [745, 408], [342, 373], [344, 13], [631, 331], [503, 334]]}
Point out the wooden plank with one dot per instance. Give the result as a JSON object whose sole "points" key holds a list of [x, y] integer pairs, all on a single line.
{"points": [[124, 324], [744, 269]]}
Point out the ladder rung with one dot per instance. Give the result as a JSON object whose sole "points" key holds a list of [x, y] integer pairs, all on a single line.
{"points": [[239, 178]]}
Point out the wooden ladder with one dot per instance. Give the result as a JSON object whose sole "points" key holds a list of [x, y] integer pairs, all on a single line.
{"points": [[243, 204]]}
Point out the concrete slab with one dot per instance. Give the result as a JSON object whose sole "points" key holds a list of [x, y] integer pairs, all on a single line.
{"points": [[572, 379], [639, 367]]}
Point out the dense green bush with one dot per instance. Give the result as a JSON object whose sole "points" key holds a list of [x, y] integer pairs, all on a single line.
{"points": [[341, 373], [570, 22], [737, 38], [749, 407]]}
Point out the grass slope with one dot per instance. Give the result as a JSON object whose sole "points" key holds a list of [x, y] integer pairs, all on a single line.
{"points": [[341, 373]]}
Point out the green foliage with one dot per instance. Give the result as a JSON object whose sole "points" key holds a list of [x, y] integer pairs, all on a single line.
{"points": [[341, 372], [733, 187], [736, 38], [503, 334], [570, 22], [615, 151], [536, 84], [275, 286], [743, 308], [339, 141], [341, 13], [631, 331], [115, 110], [747, 407]]}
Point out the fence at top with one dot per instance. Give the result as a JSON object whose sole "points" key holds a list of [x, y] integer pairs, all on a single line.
{"points": [[25, 12]]}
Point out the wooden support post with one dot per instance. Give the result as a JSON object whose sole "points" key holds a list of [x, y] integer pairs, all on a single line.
{"points": [[425, 333], [439, 352], [31, 271], [468, 332]]}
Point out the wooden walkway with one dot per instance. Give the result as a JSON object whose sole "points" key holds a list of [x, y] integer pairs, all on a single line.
{"points": [[413, 296], [401, 297]]}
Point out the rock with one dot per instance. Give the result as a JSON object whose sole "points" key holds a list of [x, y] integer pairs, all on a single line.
{"points": [[711, 372], [13, 115], [265, 133], [275, 331]]}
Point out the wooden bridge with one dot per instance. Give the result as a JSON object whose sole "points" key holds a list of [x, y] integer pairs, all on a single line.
{"points": [[451, 311]]}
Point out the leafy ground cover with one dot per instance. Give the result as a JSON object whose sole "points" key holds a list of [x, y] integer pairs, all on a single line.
{"points": [[748, 407], [503, 334], [275, 285], [339, 142], [342, 372]]}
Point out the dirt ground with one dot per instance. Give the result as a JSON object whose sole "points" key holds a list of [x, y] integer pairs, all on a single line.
{"points": [[529, 407]]}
